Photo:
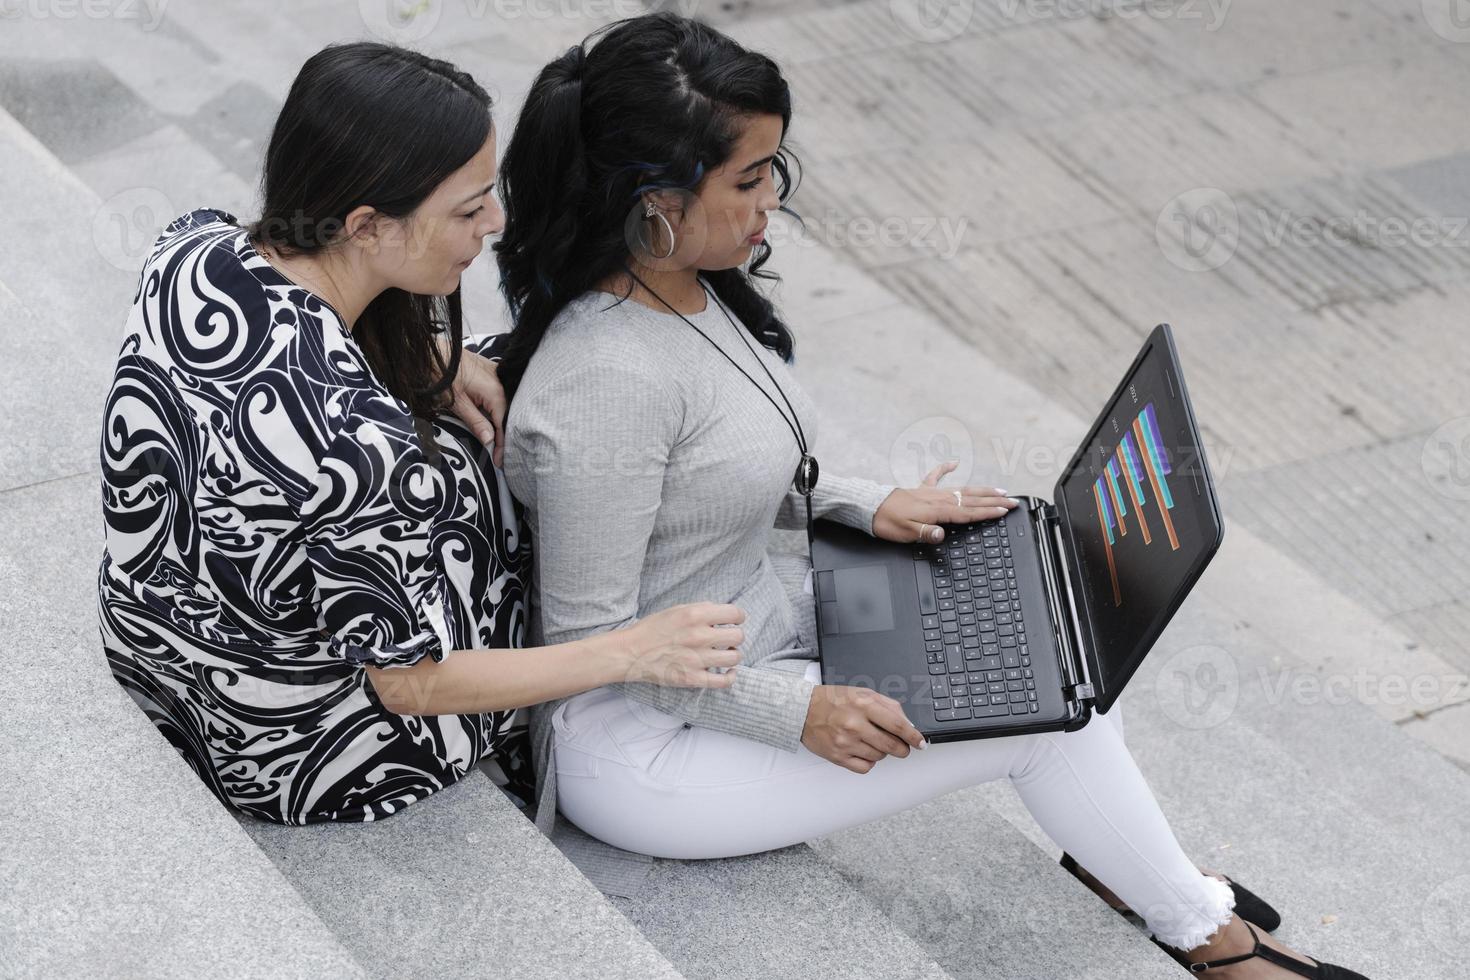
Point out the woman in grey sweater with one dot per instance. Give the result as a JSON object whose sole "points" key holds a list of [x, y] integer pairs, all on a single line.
{"points": [[656, 435]]}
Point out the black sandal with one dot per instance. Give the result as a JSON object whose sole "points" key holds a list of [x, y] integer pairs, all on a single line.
{"points": [[1317, 970], [1248, 905]]}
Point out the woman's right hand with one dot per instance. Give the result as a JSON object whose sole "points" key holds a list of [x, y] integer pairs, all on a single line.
{"points": [[856, 727], [677, 646]]}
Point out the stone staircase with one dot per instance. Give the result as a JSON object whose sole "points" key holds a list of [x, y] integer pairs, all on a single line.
{"points": [[121, 863]]}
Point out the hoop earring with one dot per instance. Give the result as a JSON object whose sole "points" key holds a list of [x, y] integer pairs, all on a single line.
{"points": [[651, 212]]}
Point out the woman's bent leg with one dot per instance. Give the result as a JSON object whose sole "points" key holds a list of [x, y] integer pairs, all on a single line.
{"points": [[1086, 791], [640, 780]]}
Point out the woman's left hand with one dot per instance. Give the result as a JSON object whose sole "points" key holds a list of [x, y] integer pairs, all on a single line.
{"points": [[907, 513], [478, 393]]}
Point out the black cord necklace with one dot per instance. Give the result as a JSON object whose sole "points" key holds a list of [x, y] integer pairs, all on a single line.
{"points": [[807, 470]]}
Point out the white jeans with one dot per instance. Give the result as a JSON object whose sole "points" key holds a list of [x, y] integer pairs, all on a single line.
{"points": [[636, 778]]}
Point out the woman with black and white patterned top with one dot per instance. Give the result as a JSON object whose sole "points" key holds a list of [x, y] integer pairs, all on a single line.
{"points": [[314, 582]]}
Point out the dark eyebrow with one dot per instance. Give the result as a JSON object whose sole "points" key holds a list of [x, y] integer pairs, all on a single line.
{"points": [[759, 163], [473, 196]]}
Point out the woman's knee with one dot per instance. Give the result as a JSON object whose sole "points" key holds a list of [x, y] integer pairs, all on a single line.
{"points": [[1084, 745]]}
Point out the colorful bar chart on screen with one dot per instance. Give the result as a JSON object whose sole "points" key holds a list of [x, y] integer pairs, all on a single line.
{"points": [[1137, 471]]}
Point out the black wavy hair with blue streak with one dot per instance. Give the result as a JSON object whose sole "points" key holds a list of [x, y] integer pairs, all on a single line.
{"points": [[645, 103]]}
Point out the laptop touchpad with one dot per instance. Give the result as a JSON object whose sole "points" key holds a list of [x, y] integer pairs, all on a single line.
{"points": [[864, 599]]}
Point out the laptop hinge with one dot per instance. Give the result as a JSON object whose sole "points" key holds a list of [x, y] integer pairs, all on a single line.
{"points": [[1075, 682]]}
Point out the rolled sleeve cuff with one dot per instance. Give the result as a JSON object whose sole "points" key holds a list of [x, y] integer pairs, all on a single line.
{"points": [[433, 642], [772, 706], [854, 500]]}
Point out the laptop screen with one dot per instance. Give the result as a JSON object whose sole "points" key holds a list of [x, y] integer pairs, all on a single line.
{"points": [[1138, 503]]}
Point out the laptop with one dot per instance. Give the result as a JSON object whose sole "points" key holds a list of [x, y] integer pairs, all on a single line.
{"points": [[1032, 621]]}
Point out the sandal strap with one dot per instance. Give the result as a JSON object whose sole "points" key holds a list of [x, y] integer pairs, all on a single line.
{"points": [[1204, 965], [1295, 966], [1264, 952]]}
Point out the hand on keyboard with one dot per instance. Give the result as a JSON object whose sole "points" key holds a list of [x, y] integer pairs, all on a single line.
{"points": [[908, 512]]}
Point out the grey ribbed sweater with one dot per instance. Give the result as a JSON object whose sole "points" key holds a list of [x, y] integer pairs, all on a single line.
{"points": [[652, 472]]}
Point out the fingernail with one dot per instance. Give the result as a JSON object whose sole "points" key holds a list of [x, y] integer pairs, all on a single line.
{"points": [[923, 743], [1002, 491]]}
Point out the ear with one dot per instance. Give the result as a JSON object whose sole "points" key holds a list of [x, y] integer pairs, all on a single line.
{"points": [[362, 226], [669, 200]]}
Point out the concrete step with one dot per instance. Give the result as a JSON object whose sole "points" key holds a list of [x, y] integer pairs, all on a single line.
{"points": [[61, 315], [783, 913], [1358, 832], [458, 885], [983, 900], [118, 861]]}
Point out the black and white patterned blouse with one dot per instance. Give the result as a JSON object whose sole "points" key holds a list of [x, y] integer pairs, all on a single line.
{"points": [[272, 525]]}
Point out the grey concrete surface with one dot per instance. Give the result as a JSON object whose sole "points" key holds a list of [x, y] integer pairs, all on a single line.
{"points": [[783, 913], [465, 886], [117, 860], [1063, 176], [983, 899]]}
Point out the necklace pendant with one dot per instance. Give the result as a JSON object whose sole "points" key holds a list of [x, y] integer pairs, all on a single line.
{"points": [[807, 472]]}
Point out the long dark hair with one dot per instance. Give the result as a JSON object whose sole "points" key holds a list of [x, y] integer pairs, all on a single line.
{"points": [[379, 125], [654, 103]]}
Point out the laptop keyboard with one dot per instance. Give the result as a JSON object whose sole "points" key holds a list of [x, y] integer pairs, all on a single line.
{"points": [[979, 662]]}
